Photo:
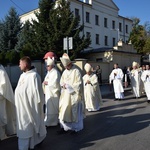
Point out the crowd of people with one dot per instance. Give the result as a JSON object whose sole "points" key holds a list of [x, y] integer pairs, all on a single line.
{"points": [[61, 99], [35, 105], [137, 76]]}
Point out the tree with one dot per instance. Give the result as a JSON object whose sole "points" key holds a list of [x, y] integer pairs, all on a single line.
{"points": [[147, 26], [25, 38], [10, 27], [146, 48], [2, 39], [55, 22], [138, 36]]}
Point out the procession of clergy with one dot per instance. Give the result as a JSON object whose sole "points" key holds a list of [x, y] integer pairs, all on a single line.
{"points": [[59, 99]]}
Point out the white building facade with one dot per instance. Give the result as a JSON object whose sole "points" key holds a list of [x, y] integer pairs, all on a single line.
{"points": [[101, 21]]}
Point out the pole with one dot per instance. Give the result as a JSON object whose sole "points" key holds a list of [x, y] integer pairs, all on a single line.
{"points": [[67, 44]]}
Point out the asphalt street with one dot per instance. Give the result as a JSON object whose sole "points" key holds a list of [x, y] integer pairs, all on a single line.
{"points": [[119, 125]]}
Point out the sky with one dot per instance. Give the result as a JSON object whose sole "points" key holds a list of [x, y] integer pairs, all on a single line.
{"points": [[128, 8], [22, 6], [134, 8]]}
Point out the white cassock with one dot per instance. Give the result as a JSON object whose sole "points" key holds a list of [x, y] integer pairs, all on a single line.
{"points": [[117, 82], [135, 77], [52, 95], [29, 101], [7, 106], [92, 94], [71, 100], [146, 80]]}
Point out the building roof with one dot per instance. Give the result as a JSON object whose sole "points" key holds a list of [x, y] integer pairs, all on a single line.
{"points": [[103, 49]]}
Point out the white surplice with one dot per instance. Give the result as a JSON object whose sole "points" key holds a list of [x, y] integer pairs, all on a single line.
{"points": [[52, 95], [29, 100], [71, 100], [135, 77], [146, 80], [7, 106], [117, 82], [92, 94]]}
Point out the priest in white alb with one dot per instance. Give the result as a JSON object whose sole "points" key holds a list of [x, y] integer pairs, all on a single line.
{"points": [[92, 94], [116, 77], [135, 77], [7, 106], [146, 80], [71, 99], [51, 87], [29, 101]]}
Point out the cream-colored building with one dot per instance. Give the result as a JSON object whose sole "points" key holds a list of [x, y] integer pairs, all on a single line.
{"points": [[109, 34], [123, 54], [101, 20]]}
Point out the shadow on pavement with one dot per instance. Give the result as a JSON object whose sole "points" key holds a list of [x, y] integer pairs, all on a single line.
{"points": [[114, 119]]}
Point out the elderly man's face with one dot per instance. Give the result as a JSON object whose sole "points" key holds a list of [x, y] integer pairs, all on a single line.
{"points": [[134, 67], [49, 67], [68, 67]]}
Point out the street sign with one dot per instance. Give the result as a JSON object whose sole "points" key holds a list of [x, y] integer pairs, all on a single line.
{"points": [[68, 43]]}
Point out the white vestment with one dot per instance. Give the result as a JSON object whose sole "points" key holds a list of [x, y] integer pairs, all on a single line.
{"points": [[29, 101], [146, 80], [7, 106], [52, 95], [117, 82], [71, 100], [92, 94], [135, 77]]}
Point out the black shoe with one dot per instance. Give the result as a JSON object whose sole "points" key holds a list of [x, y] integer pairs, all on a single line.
{"points": [[39, 144], [61, 131], [115, 99], [73, 132], [148, 101]]}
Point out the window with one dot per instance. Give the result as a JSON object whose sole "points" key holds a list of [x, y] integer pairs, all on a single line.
{"points": [[87, 17], [105, 22], [120, 27], [113, 24], [97, 38], [77, 12], [99, 59], [126, 28], [88, 35], [114, 41], [96, 20], [106, 40]]}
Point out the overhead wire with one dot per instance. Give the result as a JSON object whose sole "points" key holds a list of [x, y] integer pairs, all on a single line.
{"points": [[17, 6]]}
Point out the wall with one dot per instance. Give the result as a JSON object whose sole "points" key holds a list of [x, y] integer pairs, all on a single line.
{"points": [[14, 71]]}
